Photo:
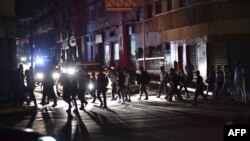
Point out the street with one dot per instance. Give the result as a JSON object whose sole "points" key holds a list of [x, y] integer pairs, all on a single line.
{"points": [[154, 119]]}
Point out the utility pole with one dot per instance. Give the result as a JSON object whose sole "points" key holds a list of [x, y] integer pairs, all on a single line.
{"points": [[143, 35], [31, 36]]}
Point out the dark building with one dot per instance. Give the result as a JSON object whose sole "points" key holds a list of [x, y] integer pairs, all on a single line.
{"points": [[8, 32], [36, 29], [152, 33], [206, 32]]}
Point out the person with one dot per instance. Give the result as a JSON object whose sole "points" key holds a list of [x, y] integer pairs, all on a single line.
{"points": [[113, 77], [227, 87], [20, 85], [190, 70], [93, 89], [102, 83], [66, 91], [219, 81], [174, 82], [127, 85], [144, 79], [240, 81], [121, 82], [211, 81], [48, 87], [183, 82], [163, 81], [73, 90], [199, 88], [83, 82], [30, 85]]}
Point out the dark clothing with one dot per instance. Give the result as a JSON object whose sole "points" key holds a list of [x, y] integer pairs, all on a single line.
{"points": [[93, 91], [212, 82], [102, 82], [48, 88], [174, 82], [219, 82], [31, 86], [121, 81], [20, 87], [143, 80], [84, 81], [199, 89]]}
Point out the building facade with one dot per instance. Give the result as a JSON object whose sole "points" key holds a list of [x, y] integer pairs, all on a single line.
{"points": [[157, 33], [108, 38], [204, 32], [68, 30]]}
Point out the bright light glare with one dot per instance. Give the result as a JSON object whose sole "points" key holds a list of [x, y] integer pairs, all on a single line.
{"points": [[23, 58], [71, 71], [46, 138], [64, 70], [90, 86], [39, 60], [55, 75], [39, 75]]}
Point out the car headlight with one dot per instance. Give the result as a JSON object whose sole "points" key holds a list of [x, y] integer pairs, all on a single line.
{"points": [[71, 71], [23, 59], [39, 60]]}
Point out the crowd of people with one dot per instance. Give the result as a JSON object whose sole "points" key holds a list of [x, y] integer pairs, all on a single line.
{"points": [[221, 82]]}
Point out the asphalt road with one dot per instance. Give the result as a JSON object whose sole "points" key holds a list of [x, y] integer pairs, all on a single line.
{"points": [[150, 120]]}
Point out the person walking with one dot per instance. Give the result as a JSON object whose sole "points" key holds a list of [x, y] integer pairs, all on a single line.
{"points": [[219, 81], [102, 83], [20, 85], [121, 82], [67, 92], [83, 82], [113, 77], [127, 85], [163, 82], [240, 81], [144, 79], [73, 90], [227, 87], [199, 88], [93, 86], [211, 81], [30, 85], [190, 70], [48, 87], [174, 82], [183, 82]]}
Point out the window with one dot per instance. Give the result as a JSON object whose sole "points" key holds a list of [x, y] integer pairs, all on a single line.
{"points": [[149, 12], [139, 14], [170, 5], [140, 52], [112, 33], [183, 3], [155, 51], [158, 8]]}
